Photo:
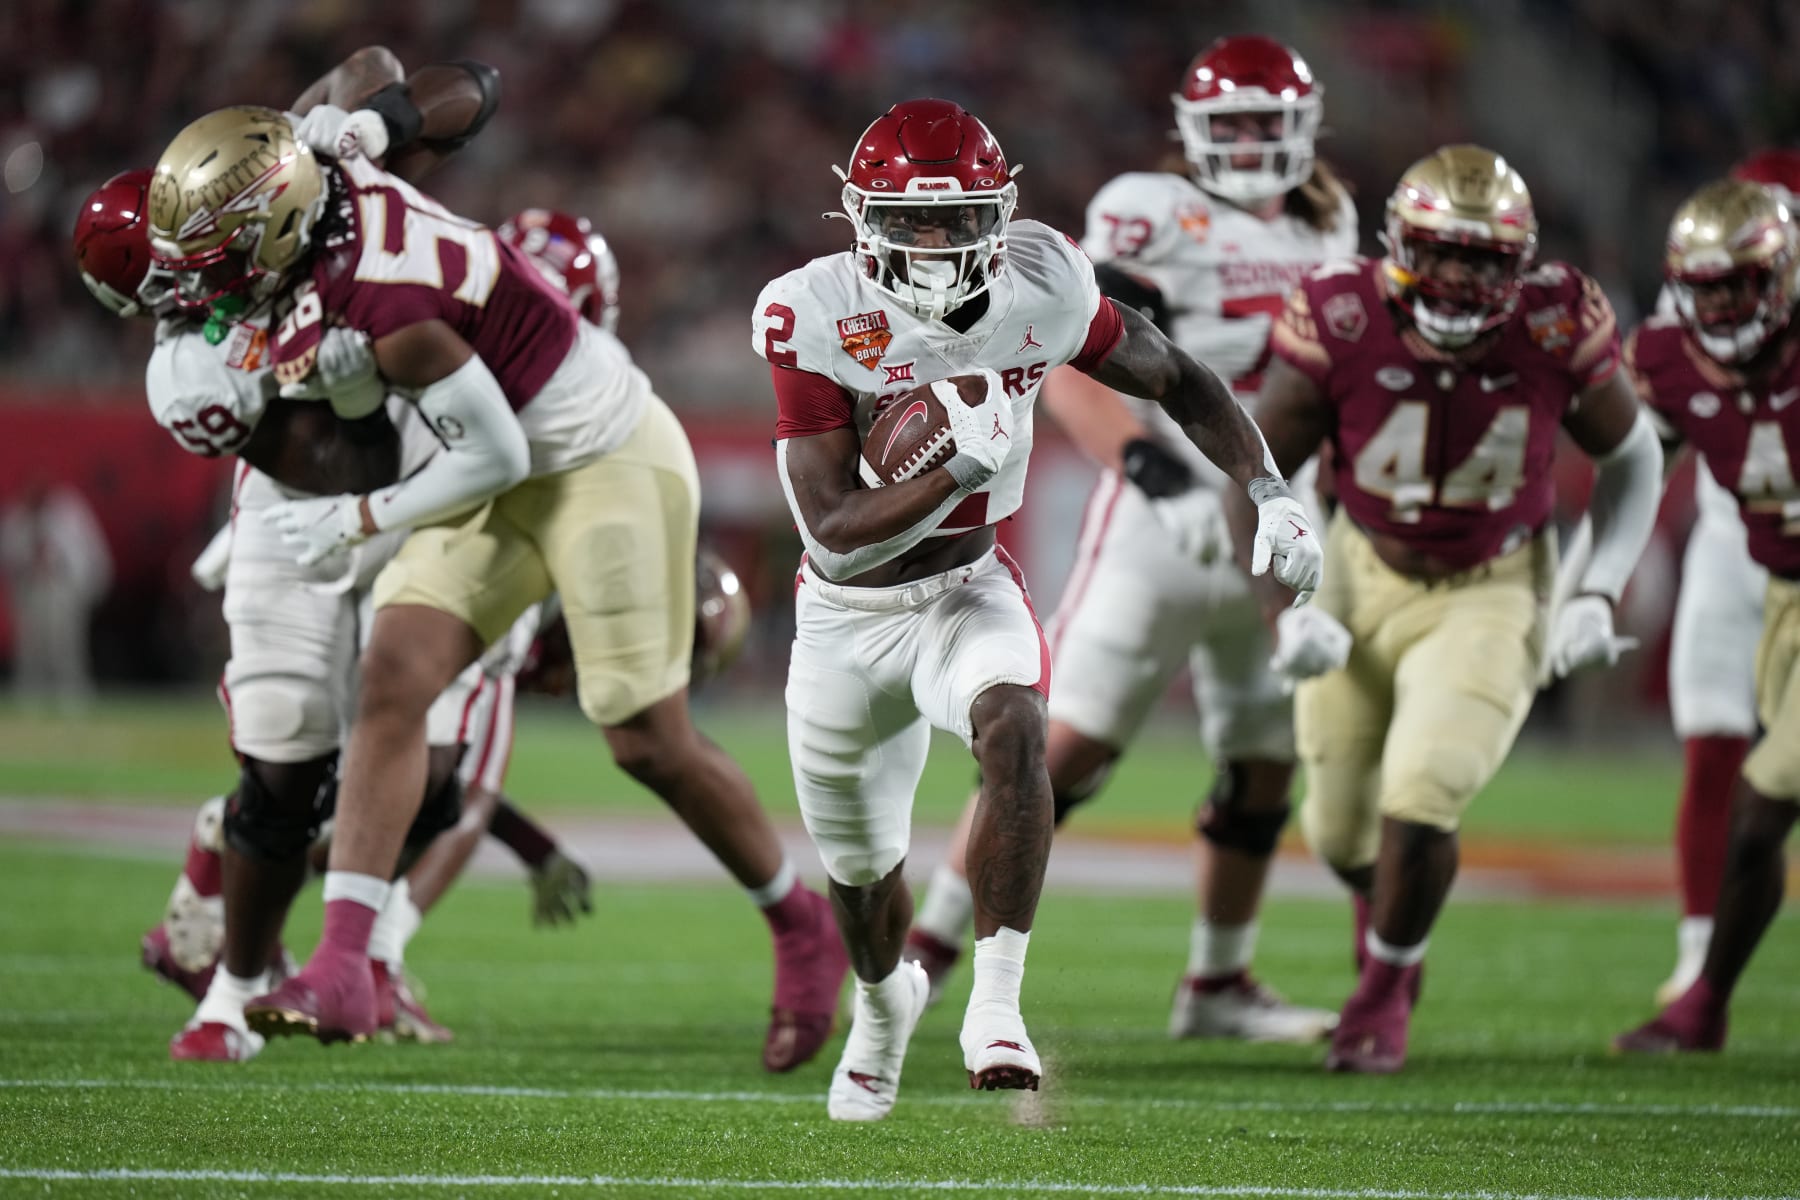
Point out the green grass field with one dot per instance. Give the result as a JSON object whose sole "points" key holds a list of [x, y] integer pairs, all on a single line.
{"points": [[173, 750], [621, 1058]]}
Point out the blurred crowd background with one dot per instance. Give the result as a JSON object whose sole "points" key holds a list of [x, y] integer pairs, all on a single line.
{"points": [[699, 136]]}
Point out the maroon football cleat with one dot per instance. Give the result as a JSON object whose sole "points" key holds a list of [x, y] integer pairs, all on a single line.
{"points": [[1370, 1038], [158, 958], [1359, 906], [333, 1001], [399, 1011], [214, 1041], [810, 966], [1696, 1021], [935, 955]]}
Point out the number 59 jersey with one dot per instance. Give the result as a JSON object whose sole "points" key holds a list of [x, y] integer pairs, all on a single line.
{"points": [[1450, 457]]}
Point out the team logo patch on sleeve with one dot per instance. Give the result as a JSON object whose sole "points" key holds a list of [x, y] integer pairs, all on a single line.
{"points": [[1345, 316], [1551, 328], [865, 337]]}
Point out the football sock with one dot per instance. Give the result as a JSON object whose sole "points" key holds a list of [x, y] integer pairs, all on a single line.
{"points": [[1218, 951], [772, 893], [948, 909], [999, 969], [520, 834], [1703, 822], [352, 901], [400, 918], [1394, 956], [227, 995]]}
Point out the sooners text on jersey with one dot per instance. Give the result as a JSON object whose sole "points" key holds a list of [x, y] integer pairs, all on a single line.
{"points": [[1453, 459], [1749, 436], [842, 349]]}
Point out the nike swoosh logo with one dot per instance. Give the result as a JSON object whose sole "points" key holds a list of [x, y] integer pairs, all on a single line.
{"points": [[865, 1082], [1781, 400], [915, 409], [1007, 1045], [1493, 383]]}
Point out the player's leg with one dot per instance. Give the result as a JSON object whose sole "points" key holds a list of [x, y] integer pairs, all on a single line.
{"points": [[1122, 629], [620, 536], [1247, 728], [983, 672], [449, 591], [1462, 687], [1712, 701], [857, 745], [1768, 802], [183, 947]]}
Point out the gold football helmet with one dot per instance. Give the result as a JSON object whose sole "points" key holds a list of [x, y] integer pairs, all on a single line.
{"points": [[1731, 266], [1460, 235], [232, 204]]}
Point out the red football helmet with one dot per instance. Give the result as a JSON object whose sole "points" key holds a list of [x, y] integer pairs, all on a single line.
{"points": [[112, 247], [1246, 77], [575, 258], [928, 167], [1776, 169]]}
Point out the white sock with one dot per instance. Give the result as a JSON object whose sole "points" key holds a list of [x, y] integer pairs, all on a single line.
{"points": [[948, 909], [227, 995], [399, 920], [1216, 951], [999, 969], [882, 999], [1693, 934], [1394, 956], [776, 890], [366, 890]]}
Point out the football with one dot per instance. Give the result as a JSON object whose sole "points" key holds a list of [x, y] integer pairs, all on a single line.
{"points": [[912, 434]]}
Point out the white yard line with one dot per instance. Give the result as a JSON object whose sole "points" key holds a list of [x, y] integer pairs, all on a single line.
{"points": [[1547, 1108], [998, 1187]]}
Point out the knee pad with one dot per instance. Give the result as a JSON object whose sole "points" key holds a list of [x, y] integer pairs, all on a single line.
{"points": [[275, 824], [441, 810], [1067, 800], [1228, 822]]}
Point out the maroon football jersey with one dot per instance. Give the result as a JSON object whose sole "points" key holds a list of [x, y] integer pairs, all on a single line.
{"points": [[1451, 458], [1749, 435], [399, 258]]}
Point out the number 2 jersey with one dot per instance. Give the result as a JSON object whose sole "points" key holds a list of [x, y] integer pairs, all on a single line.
{"points": [[1223, 274], [841, 349], [1748, 435], [1450, 457], [391, 257]]}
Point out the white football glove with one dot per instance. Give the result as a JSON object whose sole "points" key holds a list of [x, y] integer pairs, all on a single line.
{"points": [[344, 372], [1286, 541], [318, 528], [983, 434], [1195, 523], [329, 130], [1583, 636], [1308, 641]]}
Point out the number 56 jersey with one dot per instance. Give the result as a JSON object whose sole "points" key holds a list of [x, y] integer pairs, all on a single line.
{"points": [[1449, 456]]}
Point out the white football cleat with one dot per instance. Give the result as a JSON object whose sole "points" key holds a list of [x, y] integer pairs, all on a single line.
{"points": [[1238, 1006], [867, 1078], [997, 1052]]}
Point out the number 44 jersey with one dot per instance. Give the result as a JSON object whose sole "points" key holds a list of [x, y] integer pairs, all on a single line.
{"points": [[1450, 456]]}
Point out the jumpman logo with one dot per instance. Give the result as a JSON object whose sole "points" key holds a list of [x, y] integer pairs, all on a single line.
{"points": [[1299, 530], [1028, 343], [998, 432]]}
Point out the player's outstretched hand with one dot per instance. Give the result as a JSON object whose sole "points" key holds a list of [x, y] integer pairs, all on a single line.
{"points": [[982, 432], [1286, 542], [317, 528], [1309, 642], [560, 891], [1583, 636]]}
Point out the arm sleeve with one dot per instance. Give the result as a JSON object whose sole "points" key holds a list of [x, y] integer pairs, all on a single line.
{"points": [[850, 563], [485, 451], [1627, 493]]}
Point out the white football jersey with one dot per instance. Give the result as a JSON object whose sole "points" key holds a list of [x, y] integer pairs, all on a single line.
{"points": [[1223, 273], [829, 318], [211, 396]]}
